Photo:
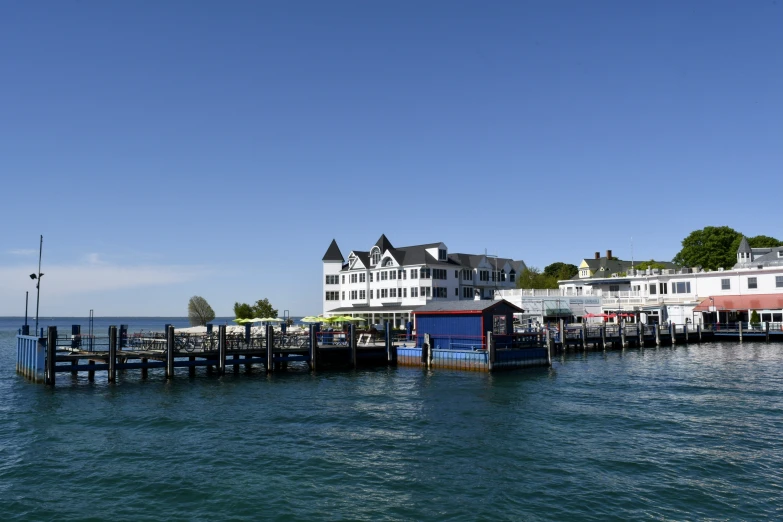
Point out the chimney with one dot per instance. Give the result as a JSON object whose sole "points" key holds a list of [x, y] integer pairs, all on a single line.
{"points": [[598, 255], [608, 254]]}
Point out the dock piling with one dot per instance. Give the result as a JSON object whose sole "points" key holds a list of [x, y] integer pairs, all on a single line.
{"points": [[170, 352], [51, 355], [491, 349], [270, 343], [352, 343], [221, 349], [112, 354]]}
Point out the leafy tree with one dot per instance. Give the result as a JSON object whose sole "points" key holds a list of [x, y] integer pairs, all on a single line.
{"points": [[754, 315], [531, 277], [199, 311], [561, 271], [652, 263], [261, 308], [763, 242], [243, 311], [711, 248]]}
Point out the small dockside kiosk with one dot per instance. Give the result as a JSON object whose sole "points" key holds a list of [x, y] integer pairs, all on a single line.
{"points": [[470, 335]]}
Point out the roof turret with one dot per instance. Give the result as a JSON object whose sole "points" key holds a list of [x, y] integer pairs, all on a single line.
{"points": [[333, 253]]}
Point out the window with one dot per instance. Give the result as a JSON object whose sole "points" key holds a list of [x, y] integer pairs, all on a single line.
{"points": [[752, 282], [414, 291], [404, 292], [354, 278], [467, 292], [354, 295], [494, 275], [439, 292], [614, 288], [681, 287], [414, 273], [512, 276], [439, 273], [343, 279], [456, 274], [499, 324], [343, 296], [376, 256], [425, 291], [778, 281], [371, 277], [467, 275], [502, 275], [331, 296], [483, 275], [424, 273], [332, 280], [392, 274], [725, 284], [441, 254], [371, 292], [361, 277], [653, 289], [362, 295], [400, 274], [383, 275], [384, 293], [393, 292], [456, 292], [664, 288]]}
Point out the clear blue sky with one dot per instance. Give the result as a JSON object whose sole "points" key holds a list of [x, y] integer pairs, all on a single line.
{"points": [[170, 149]]}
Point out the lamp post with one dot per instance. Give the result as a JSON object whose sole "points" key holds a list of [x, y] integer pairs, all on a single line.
{"points": [[38, 276]]}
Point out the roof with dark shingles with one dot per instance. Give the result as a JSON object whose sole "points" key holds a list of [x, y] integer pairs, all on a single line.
{"points": [[333, 253], [464, 306]]}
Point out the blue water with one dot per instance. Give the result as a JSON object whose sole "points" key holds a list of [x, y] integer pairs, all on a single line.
{"points": [[672, 433]]}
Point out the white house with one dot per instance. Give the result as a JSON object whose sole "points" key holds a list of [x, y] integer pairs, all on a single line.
{"points": [[389, 283], [692, 294]]}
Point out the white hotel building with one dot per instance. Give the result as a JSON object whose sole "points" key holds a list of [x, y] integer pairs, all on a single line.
{"points": [[389, 283]]}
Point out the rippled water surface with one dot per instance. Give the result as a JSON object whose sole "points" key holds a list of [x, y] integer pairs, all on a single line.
{"points": [[672, 433]]}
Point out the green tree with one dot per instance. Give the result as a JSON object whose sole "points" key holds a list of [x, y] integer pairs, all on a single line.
{"points": [[261, 308], [531, 277], [561, 271], [754, 315], [199, 311], [763, 242], [243, 311], [652, 263], [710, 248]]}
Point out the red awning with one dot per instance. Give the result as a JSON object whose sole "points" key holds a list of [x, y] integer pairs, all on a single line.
{"points": [[742, 302]]}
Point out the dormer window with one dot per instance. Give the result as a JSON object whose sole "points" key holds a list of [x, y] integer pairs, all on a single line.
{"points": [[441, 254], [780, 253], [375, 256], [387, 261]]}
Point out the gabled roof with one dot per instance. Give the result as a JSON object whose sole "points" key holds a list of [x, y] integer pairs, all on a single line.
{"points": [[384, 244], [464, 306], [771, 258], [333, 253]]}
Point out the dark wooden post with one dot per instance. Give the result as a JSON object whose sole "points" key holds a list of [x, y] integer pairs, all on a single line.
{"points": [[425, 348], [270, 342], [314, 347], [352, 343], [640, 328], [685, 329], [672, 332], [740, 331], [584, 336], [51, 355], [623, 343], [603, 337], [491, 349], [170, 352], [698, 330], [388, 342], [222, 349], [766, 330], [657, 331], [112, 354]]}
